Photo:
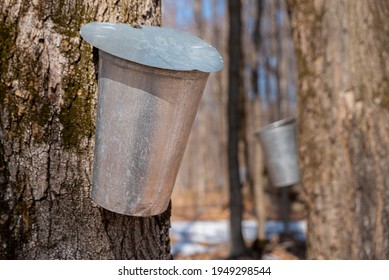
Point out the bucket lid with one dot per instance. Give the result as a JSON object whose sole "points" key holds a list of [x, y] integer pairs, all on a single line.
{"points": [[287, 121], [153, 46]]}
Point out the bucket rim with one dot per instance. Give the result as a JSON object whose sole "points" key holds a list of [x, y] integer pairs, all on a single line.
{"points": [[279, 123], [127, 64]]}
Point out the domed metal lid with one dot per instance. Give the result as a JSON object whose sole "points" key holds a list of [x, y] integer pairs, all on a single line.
{"points": [[153, 46]]}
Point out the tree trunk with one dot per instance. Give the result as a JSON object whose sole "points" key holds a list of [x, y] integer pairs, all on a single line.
{"points": [[255, 164], [342, 55], [234, 109], [48, 96], [255, 123]]}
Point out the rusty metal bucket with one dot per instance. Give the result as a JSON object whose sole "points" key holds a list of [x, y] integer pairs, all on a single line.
{"points": [[148, 99], [279, 145]]}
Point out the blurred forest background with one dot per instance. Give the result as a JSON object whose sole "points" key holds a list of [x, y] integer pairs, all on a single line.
{"points": [[267, 93], [324, 62]]}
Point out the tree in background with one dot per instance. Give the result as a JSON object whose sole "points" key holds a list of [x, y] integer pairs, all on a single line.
{"points": [[252, 119], [342, 57], [47, 97], [234, 130]]}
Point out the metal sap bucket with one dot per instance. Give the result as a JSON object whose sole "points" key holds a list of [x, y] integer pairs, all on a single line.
{"points": [[279, 145], [151, 80]]}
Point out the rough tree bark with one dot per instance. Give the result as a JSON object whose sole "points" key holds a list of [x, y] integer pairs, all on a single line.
{"points": [[342, 55], [234, 130], [47, 96]]}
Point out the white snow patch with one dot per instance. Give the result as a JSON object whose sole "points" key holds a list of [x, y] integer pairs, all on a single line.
{"points": [[193, 237]]}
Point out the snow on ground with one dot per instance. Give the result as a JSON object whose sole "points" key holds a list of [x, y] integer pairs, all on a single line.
{"points": [[193, 237]]}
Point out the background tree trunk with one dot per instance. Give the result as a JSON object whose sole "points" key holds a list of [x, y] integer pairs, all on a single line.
{"points": [[234, 130], [252, 121], [47, 95], [342, 55]]}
